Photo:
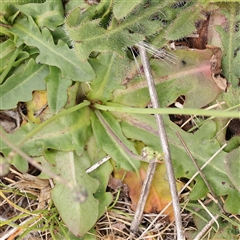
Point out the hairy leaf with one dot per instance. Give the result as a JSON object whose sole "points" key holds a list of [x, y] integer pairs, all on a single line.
{"points": [[54, 55], [57, 89], [184, 24], [122, 8], [229, 36], [109, 70], [89, 36], [19, 87]]}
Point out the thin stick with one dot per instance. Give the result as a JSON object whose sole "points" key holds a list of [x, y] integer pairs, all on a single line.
{"points": [[164, 142], [184, 187], [143, 196], [98, 164], [30, 160]]}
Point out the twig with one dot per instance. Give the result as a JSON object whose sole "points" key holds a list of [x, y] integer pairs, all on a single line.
{"points": [[30, 160], [143, 196], [185, 186], [98, 164], [164, 142]]}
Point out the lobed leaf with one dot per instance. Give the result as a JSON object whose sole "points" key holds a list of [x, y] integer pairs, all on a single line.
{"points": [[49, 14], [190, 75], [7, 8], [90, 36], [184, 24], [19, 87], [7, 49], [68, 133], [54, 55], [122, 8]]}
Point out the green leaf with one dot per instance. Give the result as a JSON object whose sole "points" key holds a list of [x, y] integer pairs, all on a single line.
{"points": [[232, 165], [109, 136], [201, 144], [67, 133], [7, 49], [89, 36], [19, 87], [7, 8], [184, 24], [89, 157], [54, 55], [20, 163], [190, 75], [57, 89], [49, 14], [72, 95], [78, 216], [122, 8], [231, 43], [109, 70], [71, 5]]}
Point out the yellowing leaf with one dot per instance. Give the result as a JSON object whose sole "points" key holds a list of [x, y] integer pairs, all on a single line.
{"points": [[159, 195], [39, 102]]}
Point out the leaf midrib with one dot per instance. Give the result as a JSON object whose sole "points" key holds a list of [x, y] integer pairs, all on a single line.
{"points": [[28, 33]]}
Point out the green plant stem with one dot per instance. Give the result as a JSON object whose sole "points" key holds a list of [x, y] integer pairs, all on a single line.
{"points": [[187, 111], [10, 63], [4, 29], [52, 119]]}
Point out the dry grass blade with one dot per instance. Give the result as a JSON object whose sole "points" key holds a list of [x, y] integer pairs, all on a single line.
{"points": [[116, 222], [199, 170], [23, 201]]}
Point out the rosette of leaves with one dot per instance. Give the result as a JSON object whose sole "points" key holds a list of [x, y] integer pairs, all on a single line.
{"points": [[39, 47]]}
